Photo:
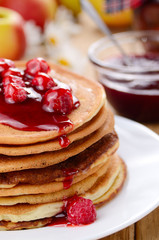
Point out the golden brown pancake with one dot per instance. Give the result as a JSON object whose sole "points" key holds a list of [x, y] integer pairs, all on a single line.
{"points": [[53, 145], [97, 193], [90, 94], [9, 164], [27, 212], [78, 164], [114, 189], [104, 183], [6, 226], [107, 196], [34, 167], [52, 187], [77, 188]]}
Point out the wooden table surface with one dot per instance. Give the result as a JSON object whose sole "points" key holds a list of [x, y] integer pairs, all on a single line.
{"points": [[148, 227]]}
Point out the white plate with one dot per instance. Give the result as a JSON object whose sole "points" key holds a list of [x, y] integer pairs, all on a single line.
{"points": [[139, 147]]}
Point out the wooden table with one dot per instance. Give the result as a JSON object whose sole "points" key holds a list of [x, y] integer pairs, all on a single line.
{"points": [[148, 227]]}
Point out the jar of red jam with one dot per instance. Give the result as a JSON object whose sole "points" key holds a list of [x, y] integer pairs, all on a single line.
{"points": [[132, 87]]}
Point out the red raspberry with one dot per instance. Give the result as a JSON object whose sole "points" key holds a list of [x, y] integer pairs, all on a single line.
{"points": [[14, 93], [43, 81], [13, 79], [58, 100], [37, 65], [14, 72], [80, 211], [27, 77], [5, 64]]}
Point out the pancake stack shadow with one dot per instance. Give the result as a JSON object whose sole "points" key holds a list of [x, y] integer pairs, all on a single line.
{"points": [[37, 174]]}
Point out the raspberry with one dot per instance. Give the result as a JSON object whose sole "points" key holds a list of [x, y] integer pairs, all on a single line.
{"points": [[14, 93], [27, 77], [37, 65], [80, 211], [13, 79], [13, 71], [42, 81], [58, 100], [5, 64]]}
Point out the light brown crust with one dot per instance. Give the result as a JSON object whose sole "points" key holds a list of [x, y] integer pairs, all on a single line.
{"points": [[77, 188], [53, 145], [90, 94], [8, 164], [104, 183], [31, 212], [115, 188], [80, 163], [6, 226]]}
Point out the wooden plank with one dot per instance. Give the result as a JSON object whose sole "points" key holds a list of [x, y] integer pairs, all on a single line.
{"points": [[126, 234], [148, 227]]}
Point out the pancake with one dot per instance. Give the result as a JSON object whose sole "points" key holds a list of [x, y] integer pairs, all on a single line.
{"points": [[53, 145], [52, 187], [107, 196], [77, 188], [90, 94], [105, 182], [78, 164], [27, 212], [5, 226], [9, 164], [114, 189]]}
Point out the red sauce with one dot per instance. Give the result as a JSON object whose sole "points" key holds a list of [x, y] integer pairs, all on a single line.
{"points": [[69, 173], [60, 220], [30, 115], [134, 94], [64, 141]]}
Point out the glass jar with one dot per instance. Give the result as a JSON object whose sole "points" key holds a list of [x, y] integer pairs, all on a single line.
{"points": [[133, 90]]}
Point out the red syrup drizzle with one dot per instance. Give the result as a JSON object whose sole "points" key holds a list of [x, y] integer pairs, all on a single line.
{"points": [[30, 115], [69, 174], [60, 220], [64, 141]]}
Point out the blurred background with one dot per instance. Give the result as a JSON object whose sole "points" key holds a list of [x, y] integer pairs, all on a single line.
{"points": [[61, 32], [30, 28]]}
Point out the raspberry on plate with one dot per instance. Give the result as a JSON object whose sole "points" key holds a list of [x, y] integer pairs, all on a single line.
{"points": [[5, 64], [13, 79], [58, 100], [37, 65], [14, 93], [43, 81], [80, 211]]}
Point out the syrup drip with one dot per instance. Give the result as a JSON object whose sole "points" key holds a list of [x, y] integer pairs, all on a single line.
{"points": [[60, 220], [64, 141], [30, 115], [69, 174]]}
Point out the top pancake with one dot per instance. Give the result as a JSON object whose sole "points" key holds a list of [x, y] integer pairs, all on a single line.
{"points": [[90, 94], [104, 115]]}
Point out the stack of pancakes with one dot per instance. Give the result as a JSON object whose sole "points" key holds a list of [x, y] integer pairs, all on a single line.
{"points": [[37, 174]]}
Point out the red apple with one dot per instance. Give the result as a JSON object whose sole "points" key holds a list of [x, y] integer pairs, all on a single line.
{"points": [[12, 37], [40, 11]]}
